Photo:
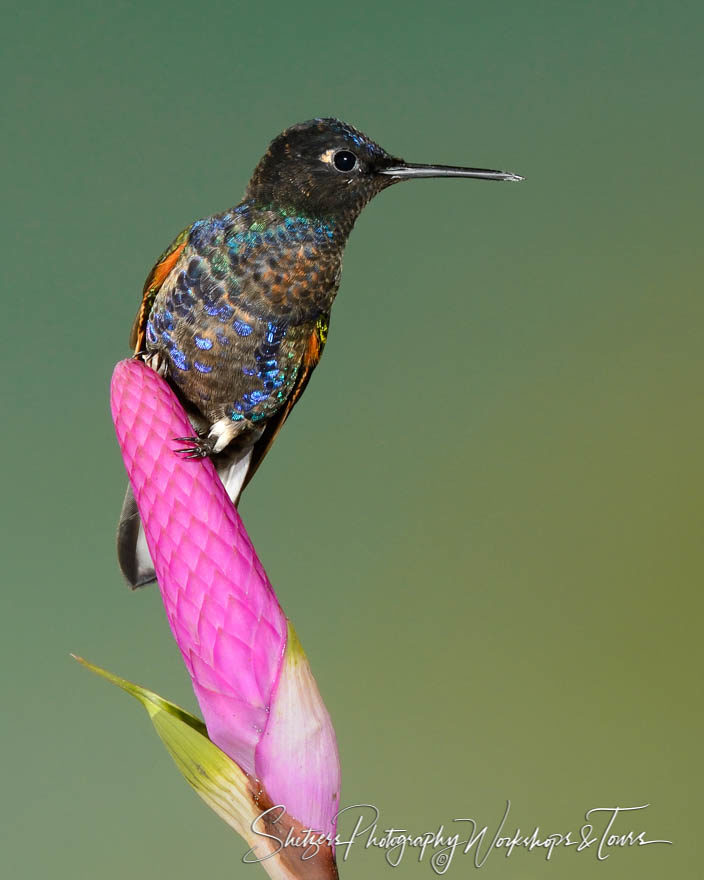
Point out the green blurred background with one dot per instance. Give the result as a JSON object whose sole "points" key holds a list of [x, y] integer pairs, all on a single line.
{"points": [[484, 516]]}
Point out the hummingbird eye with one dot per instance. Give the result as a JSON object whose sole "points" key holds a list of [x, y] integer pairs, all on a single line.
{"points": [[344, 160]]}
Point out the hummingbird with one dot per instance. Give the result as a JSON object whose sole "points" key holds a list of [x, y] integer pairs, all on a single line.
{"points": [[236, 311]]}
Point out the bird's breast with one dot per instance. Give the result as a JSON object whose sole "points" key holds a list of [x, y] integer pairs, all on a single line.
{"points": [[234, 317]]}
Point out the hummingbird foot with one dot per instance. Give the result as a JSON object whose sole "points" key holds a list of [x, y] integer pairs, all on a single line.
{"points": [[221, 433], [197, 447], [154, 360]]}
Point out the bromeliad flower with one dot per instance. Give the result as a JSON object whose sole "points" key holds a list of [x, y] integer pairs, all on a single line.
{"points": [[269, 741]]}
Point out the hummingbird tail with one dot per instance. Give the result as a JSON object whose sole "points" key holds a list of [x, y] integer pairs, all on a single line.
{"points": [[132, 550], [232, 470]]}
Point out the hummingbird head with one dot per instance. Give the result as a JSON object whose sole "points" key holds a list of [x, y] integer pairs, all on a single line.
{"points": [[326, 168]]}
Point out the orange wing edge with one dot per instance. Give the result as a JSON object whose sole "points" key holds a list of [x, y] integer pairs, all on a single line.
{"points": [[311, 358], [156, 278]]}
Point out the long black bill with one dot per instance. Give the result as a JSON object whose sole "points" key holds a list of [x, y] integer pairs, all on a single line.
{"points": [[406, 171]]}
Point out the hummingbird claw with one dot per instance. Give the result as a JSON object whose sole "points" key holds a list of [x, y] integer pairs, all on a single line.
{"points": [[198, 447]]}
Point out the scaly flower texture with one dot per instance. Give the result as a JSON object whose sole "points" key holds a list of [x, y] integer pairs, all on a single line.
{"points": [[259, 699]]}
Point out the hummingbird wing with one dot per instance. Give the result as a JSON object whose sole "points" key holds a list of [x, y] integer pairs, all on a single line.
{"points": [[132, 550], [155, 279], [311, 357]]}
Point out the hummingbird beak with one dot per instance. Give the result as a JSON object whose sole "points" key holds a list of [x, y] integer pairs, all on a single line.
{"points": [[406, 171]]}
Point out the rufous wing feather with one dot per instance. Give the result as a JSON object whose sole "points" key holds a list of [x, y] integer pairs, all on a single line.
{"points": [[155, 279], [311, 357]]}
